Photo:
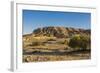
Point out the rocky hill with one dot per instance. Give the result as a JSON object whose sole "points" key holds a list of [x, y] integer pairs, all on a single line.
{"points": [[59, 32], [52, 44]]}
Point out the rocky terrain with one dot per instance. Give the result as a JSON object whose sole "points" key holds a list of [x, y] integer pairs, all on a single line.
{"points": [[52, 44], [59, 32]]}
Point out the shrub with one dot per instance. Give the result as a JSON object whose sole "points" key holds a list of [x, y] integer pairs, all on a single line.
{"points": [[80, 41], [35, 43]]}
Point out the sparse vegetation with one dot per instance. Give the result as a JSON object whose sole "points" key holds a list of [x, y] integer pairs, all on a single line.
{"points": [[51, 39], [80, 41], [60, 46]]}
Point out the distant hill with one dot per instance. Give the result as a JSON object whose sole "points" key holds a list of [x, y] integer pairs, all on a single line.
{"points": [[59, 32]]}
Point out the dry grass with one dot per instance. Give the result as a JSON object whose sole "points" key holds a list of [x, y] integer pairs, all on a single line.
{"points": [[43, 48]]}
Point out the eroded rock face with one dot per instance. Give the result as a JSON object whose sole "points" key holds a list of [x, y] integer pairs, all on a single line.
{"points": [[59, 32]]}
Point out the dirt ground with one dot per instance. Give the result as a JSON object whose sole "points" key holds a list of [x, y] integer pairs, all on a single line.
{"points": [[53, 56]]}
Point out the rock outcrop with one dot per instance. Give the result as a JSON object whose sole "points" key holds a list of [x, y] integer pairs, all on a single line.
{"points": [[59, 32]]}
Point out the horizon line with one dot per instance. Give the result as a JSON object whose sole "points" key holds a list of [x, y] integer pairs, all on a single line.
{"points": [[57, 26]]}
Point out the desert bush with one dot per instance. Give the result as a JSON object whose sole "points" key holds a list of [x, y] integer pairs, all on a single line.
{"points": [[80, 41], [85, 41], [37, 43]]}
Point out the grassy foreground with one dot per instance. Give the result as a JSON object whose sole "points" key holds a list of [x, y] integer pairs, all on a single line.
{"points": [[42, 49]]}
